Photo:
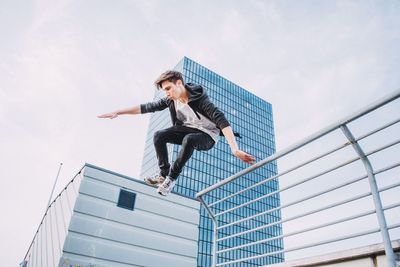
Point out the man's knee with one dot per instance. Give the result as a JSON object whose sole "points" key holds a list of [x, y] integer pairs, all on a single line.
{"points": [[158, 136]]}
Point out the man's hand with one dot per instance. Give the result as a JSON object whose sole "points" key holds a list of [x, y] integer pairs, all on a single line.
{"points": [[230, 137], [244, 156], [111, 115]]}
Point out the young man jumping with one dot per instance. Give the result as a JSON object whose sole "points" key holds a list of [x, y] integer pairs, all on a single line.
{"points": [[197, 124]]}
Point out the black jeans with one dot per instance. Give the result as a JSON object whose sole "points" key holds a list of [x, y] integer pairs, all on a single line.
{"points": [[189, 138]]}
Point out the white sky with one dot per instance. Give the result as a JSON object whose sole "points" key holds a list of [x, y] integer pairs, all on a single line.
{"points": [[64, 62]]}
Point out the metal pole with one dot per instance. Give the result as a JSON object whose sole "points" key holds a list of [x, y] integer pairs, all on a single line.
{"points": [[54, 186], [214, 251], [391, 258], [51, 237], [214, 259]]}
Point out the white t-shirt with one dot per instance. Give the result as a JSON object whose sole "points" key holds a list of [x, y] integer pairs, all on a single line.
{"points": [[186, 114]]}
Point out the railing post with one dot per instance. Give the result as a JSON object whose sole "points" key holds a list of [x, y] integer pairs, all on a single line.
{"points": [[391, 258], [215, 225]]}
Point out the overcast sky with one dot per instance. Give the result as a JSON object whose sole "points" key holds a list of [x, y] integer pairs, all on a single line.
{"points": [[64, 62]]}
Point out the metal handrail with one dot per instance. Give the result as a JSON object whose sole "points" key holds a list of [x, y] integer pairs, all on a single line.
{"points": [[361, 156]]}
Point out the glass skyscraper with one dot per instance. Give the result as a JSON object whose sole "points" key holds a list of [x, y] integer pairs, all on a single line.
{"points": [[251, 117]]}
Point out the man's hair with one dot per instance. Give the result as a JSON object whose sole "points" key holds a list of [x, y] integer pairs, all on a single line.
{"points": [[169, 75]]}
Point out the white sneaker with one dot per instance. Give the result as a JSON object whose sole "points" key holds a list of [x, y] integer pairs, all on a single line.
{"points": [[154, 180], [166, 187]]}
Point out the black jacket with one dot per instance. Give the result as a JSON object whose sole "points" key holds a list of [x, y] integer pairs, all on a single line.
{"points": [[199, 102]]}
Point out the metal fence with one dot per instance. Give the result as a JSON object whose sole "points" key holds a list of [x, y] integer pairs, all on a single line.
{"points": [[355, 169], [46, 247]]}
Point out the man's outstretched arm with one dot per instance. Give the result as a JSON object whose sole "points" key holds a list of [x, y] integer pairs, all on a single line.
{"points": [[112, 115], [230, 137]]}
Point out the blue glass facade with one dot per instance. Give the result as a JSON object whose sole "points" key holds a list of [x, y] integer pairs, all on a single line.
{"points": [[251, 116]]}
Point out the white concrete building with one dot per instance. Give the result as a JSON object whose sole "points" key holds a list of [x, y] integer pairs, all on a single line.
{"points": [[115, 220]]}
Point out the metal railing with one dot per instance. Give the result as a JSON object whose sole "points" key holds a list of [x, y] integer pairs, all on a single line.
{"points": [[46, 247], [364, 187]]}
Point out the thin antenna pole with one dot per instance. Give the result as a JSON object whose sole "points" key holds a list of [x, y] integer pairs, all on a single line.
{"points": [[54, 186]]}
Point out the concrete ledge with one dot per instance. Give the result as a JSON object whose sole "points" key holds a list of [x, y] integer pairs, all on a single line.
{"points": [[340, 256]]}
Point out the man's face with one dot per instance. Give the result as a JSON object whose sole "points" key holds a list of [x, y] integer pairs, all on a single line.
{"points": [[172, 90]]}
